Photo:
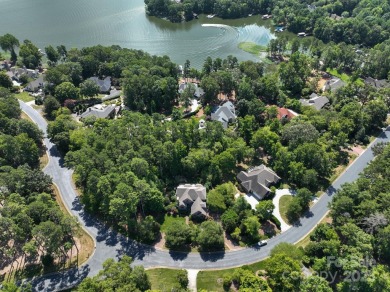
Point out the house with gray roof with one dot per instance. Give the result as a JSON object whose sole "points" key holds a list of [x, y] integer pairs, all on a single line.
{"points": [[199, 92], [333, 84], [99, 111], [15, 73], [36, 84], [225, 114], [104, 84], [383, 83], [257, 180], [315, 101], [192, 197]]}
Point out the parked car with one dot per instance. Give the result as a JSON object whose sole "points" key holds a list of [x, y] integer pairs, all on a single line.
{"points": [[262, 242]]}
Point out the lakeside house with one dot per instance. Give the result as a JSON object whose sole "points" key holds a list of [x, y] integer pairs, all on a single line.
{"points": [[199, 92], [225, 114], [16, 73], [257, 181], [36, 84], [192, 197], [315, 101], [104, 84]]}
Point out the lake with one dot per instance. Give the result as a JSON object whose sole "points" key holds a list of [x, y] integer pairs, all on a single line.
{"points": [[80, 23]]}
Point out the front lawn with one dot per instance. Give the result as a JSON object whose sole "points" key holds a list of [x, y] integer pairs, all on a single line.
{"points": [[24, 96], [284, 202], [168, 220], [163, 279]]}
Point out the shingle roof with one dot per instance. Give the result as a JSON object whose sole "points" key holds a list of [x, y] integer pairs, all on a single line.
{"points": [[189, 194], [224, 114], [104, 84], [383, 83], [198, 207], [257, 180], [316, 101], [286, 113], [98, 112], [199, 92]]}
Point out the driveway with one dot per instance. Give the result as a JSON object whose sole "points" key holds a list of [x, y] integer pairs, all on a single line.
{"points": [[109, 244], [278, 194]]}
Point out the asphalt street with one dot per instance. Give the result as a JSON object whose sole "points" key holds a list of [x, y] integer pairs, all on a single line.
{"points": [[109, 244]]}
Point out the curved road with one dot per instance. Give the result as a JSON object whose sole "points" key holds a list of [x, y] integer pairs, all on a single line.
{"points": [[109, 244]]}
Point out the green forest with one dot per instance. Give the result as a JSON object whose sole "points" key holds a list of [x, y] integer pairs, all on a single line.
{"points": [[35, 233]]}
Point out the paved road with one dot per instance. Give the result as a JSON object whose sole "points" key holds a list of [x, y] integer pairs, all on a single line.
{"points": [[112, 245]]}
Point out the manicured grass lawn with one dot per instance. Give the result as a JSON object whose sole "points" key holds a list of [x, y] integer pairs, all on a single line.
{"points": [[251, 48], [163, 279], [168, 220], [284, 202], [23, 96], [344, 76], [212, 280]]}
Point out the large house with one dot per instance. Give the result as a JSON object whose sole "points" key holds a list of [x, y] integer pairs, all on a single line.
{"points": [[15, 73], [333, 84], [383, 83], [193, 197], [99, 111], [257, 180], [36, 84], [104, 84], [225, 114], [315, 101], [199, 92]]}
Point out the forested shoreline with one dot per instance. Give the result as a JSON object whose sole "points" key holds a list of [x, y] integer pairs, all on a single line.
{"points": [[365, 23]]}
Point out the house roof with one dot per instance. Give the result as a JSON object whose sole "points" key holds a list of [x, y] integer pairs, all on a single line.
{"points": [[104, 84], [98, 111], [333, 84], [35, 84], [316, 101], [198, 207], [383, 83], [257, 180], [194, 194], [224, 113], [199, 92], [286, 113]]}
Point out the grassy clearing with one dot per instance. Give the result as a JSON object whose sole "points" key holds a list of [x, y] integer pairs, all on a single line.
{"points": [[168, 220], [163, 279], [23, 96], [212, 280], [87, 244], [25, 117], [284, 202], [43, 160], [252, 48]]}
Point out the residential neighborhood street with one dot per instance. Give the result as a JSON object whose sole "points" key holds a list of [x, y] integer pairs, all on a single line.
{"points": [[109, 244]]}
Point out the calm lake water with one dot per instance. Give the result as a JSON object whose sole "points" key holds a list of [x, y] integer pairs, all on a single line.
{"points": [[80, 23]]}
